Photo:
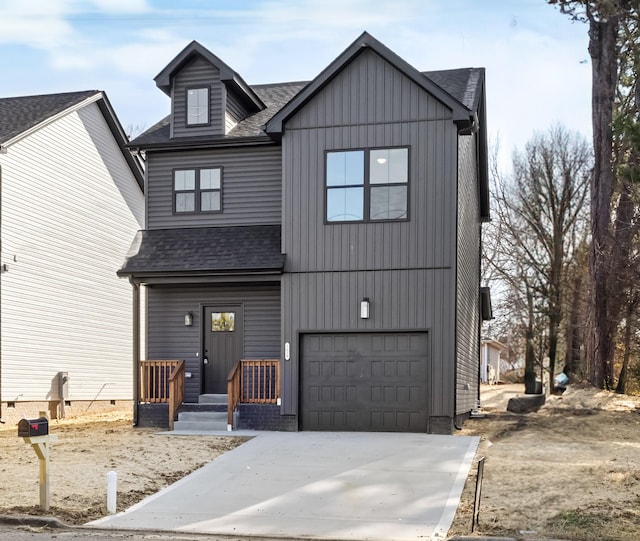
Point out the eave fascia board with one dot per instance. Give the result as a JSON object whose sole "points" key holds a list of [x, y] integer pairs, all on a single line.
{"points": [[121, 139], [235, 81], [206, 144], [483, 157], [167, 277], [53, 118]]}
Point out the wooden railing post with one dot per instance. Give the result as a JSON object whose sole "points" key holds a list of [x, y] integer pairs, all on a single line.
{"points": [[176, 391], [233, 392]]}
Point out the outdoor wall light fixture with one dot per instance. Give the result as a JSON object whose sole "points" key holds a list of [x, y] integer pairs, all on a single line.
{"points": [[364, 308], [188, 319]]}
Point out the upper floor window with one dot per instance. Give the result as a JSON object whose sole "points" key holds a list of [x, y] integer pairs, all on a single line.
{"points": [[197, 106], [367, 185], [197, 190]]}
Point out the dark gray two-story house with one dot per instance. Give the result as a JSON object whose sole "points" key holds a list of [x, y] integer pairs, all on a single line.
{"points": [[313, 248]]}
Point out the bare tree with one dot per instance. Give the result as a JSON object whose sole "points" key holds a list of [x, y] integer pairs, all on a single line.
{"points": [[541, 225]]}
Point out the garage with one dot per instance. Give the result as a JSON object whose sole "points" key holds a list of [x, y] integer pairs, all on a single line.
{"points": [[364, 382]]}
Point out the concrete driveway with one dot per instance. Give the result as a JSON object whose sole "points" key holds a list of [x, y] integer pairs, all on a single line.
{"points": [[323, 485]]}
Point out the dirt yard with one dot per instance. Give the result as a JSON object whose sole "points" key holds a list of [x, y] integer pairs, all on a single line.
{"points": [[570, 471], [87, 449]]}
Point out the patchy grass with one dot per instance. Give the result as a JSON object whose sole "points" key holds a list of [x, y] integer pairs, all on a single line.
{"points": [[598, 524]]}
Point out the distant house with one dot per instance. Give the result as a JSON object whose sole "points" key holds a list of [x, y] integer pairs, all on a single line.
{"points": [[490, 360], [71, 197], [311, 250]]}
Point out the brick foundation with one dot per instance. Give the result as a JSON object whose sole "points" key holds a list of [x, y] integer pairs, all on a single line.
{"points": [[265, 417]]}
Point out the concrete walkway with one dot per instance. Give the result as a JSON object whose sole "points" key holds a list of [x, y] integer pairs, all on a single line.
{"points": [[356, 486]]}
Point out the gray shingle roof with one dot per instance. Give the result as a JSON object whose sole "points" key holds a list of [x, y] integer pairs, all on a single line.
{"points": [[220, 250], [22, 113], [274, 96], [462, 84]]}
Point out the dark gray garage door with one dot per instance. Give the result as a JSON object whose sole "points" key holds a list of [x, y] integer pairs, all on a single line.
{"points": [[364, 381]]}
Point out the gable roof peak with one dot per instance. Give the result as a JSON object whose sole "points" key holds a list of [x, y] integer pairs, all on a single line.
{"points": [[460, 111], [227, 75], [20, 114]]}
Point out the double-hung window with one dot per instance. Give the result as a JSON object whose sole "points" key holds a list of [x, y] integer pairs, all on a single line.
{"points": [[197, 190], [367, 185], [197, 106]]}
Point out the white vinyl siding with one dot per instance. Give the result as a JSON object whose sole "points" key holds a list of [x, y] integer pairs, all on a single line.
{"points": [[70, 209]]}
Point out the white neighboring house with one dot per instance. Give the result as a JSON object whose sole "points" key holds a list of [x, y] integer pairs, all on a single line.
{"points": [[71, 198], [490, 351]]}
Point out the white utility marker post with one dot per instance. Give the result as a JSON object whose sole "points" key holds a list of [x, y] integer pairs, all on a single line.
{"points": [[112, 491]]}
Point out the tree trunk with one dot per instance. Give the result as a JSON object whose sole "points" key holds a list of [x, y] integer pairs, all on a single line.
{"points": [[622, 380], [603, 51], [572, 366], [529, 355], [628, 335]]}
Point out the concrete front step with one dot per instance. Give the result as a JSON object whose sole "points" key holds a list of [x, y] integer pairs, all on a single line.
{"points": [[202, 416], [209, 414], [200, 426], [203, 407], [212, 399], [200, 421]]}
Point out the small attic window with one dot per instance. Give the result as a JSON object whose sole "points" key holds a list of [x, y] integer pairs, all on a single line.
{"points": [[197, 106]]}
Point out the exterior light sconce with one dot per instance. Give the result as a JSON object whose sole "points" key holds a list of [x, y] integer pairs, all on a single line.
{"points": [[364, 308], [188, 319]]}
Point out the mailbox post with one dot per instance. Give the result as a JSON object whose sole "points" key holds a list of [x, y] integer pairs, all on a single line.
{"points": [[36, 433]]}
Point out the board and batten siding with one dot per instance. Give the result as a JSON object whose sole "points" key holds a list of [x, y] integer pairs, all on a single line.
{"points": [[413, 299], [468, 279], [426, 240], [251, 187], [169, 339], [198, 73], [70, 207], [369, 91], [406, 269]]}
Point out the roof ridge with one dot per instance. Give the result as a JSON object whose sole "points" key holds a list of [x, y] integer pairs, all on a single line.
{"points": [[51, 94], [286, 83]]}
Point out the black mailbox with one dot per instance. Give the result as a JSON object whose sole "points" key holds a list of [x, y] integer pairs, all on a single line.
{"points": [[28, 428]]}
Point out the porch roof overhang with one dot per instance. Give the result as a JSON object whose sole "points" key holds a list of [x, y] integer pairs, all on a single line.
{"points": [[193, 255]]}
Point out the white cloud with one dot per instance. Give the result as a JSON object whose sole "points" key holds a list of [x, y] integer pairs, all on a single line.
{"points": [[121, 6], [50, 25], [532, 53], [34, 24]]}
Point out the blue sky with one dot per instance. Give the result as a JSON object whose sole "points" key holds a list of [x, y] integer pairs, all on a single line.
{"points": [[538, 67]]}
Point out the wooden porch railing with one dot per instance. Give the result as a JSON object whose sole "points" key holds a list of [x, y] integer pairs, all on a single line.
{"points": [[234, 382], [176, 392], [163, 382], [252, 381]]}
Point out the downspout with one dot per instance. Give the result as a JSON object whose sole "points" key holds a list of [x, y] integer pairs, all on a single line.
{"points": [[136, 349]]}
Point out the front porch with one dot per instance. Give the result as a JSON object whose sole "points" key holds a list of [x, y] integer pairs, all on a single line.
{"points": [[252, 400]]}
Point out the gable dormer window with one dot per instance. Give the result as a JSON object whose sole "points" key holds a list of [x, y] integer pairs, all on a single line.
{"points": [[198, 106]]}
